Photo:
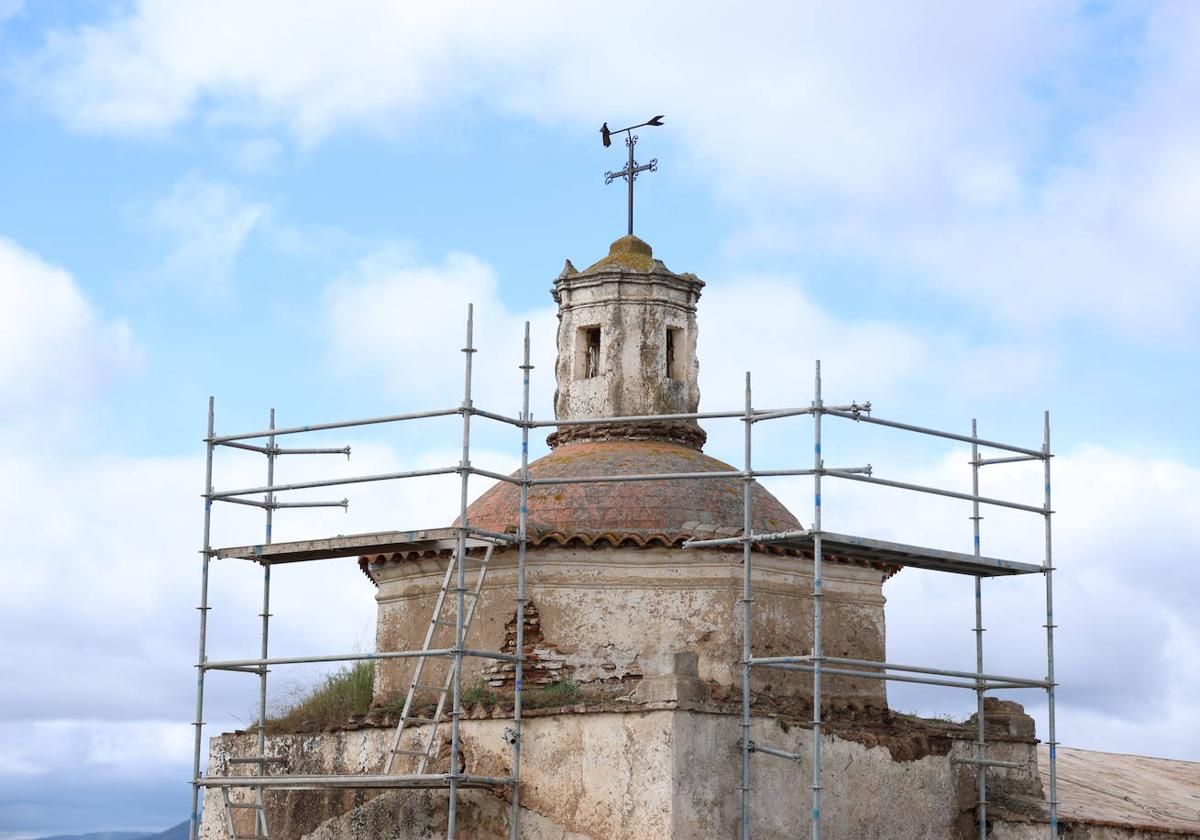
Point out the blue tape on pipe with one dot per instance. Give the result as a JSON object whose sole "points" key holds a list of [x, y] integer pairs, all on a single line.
{"points": [[818, 499]]}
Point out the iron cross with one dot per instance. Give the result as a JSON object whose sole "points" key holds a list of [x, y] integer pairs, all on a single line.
{"points": [[631, 170]]}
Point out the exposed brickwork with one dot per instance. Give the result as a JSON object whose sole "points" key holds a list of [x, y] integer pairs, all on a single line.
{"points": [[543, 662], [673, 506]]}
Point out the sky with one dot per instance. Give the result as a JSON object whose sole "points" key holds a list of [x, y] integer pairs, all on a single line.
{"points": [[964, 210]]}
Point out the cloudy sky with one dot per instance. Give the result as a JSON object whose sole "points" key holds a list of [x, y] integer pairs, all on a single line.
{"points": [[964, 210]]}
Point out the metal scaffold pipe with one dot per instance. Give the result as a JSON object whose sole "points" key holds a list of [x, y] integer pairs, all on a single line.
{"points": [[980, 722], [908, 427], [460, 585], [747, 650], [206, 558], [1052, 738], [522, 542], [260, 824], [817, 648]]}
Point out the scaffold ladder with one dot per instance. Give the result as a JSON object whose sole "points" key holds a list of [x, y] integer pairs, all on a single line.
{"points": [[425, 751], [260, 815]]}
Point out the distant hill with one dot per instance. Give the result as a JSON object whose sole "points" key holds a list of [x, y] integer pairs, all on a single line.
{"points": [[175, 832]]}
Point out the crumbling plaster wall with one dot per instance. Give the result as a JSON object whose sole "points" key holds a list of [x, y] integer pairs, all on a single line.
{"points": [[605, 616], [648, 775]]}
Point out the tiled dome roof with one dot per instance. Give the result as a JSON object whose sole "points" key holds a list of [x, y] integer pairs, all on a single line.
{"points": [[669, 509]]}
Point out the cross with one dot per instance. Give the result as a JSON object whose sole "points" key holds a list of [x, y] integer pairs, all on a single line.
{"points": [[631, 170]]}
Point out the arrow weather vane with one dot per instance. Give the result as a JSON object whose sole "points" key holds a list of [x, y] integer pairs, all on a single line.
{"points": [[631, 170]]}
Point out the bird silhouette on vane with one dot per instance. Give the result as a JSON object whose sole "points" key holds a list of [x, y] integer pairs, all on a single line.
{"points": [[631, 170]]}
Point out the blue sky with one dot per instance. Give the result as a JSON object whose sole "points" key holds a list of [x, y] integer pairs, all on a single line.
{"points": [[965, 211]]}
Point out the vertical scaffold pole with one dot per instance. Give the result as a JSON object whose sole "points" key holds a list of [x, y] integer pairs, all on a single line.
{"points": [[260, 824], [206, 555], [747, 526], [522, 523], [817, 650], [1048, 566], [460, 586], [980, 724]]}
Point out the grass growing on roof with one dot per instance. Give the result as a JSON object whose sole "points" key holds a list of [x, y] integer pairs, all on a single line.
{"points": [[562, 693], [332, 702]]}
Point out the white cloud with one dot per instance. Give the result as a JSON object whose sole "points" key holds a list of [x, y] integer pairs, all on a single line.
{"points": [[961, 144], [1124, 531], [55, 348], [402, 321], [10, 9], [207, 224]]}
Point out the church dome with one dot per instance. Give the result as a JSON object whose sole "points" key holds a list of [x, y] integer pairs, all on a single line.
{"points": [[641, 512]]}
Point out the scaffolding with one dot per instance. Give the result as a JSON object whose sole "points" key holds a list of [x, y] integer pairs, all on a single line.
{"points": [[463, 539]]}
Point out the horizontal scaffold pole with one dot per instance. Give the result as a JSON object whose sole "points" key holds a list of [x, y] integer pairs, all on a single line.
{"points": [[936, 491], [338, 424], [243, 664], [908, 427], [332, 482], [866, 663], [973, 685], [429, 780]]}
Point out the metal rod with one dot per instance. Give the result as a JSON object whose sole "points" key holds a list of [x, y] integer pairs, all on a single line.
{"points": [[778, 753], [754, 538], [272, 451], [818, 594], [522, 542], [908, 427], [867, 470], [776, 414], [507, 479], [276, 450], [630, 142], [247, 502], [500, 418], [769, 661], [984, 764], [235, 664], [983, 462], [339, 424], [249, 447], [1049, 567], [334, 482], [918, 669], [206, 558], [319, 450], [885, 677], [343, 503], [936, 491], [461, 582], [596, 479], [494, 535], [352, 780], [747, 650], [980, 722]]}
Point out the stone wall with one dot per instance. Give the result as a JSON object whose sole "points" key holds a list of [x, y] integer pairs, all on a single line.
{"points": [[650, 775], [605, 616]]}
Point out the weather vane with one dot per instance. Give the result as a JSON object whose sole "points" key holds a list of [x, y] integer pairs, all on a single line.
{"points": [[631, 170]]}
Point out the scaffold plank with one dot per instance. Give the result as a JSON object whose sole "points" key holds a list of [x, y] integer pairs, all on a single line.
{"points": [[900, 554], [352, 545]]}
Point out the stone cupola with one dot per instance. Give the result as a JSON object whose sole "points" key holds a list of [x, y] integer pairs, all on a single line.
{"points": [[627, 347]]}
